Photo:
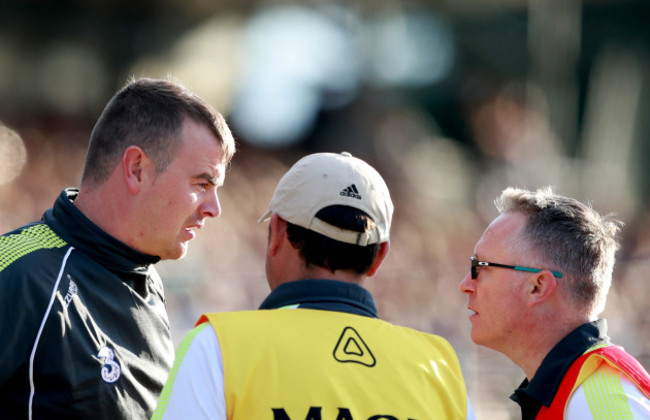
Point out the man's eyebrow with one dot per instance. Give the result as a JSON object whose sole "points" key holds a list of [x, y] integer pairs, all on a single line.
{"points": [[208, 177]]}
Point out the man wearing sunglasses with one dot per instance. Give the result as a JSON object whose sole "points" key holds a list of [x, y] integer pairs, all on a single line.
{"points": [[538, 281]]}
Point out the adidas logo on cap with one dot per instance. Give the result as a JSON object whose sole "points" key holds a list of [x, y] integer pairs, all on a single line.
{"points": [[351, 191], [311, 185]]}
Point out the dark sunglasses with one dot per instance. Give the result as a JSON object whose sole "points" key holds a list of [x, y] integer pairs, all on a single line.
{"points": [[475, 264]]}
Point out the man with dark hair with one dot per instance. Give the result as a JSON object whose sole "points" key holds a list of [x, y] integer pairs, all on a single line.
{"points": [[538, 281], [316, 350], [82, 315]]}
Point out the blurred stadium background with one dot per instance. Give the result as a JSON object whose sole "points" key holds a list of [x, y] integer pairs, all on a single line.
{"points": [[451, 100]]}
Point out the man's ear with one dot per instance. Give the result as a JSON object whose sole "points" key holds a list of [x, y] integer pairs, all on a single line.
{"points": [[134, 160], [384, 247], [540, 286], [277, 234]]}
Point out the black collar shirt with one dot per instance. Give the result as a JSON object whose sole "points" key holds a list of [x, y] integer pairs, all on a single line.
{"points": [[542, 388], [327, 295]]}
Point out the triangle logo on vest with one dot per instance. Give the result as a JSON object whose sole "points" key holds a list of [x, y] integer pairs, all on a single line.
{"points": [[351, 348]]}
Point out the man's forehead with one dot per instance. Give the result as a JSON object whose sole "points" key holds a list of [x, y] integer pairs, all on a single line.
{"points": [[501, 230]]}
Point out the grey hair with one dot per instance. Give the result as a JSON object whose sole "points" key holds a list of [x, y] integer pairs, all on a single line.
{"points": [[570, 237]]}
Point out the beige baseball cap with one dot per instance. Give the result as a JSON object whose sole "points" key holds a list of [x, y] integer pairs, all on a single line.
{"points": [[327, 179]]}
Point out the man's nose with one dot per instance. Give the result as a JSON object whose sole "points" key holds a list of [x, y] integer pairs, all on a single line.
{"points": [[211, 206], [468, 284]]}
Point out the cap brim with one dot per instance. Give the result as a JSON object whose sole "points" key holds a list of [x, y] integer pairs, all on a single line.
{"points": [[266, 216]]}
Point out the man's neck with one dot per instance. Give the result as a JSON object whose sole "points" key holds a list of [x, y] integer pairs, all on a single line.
{"points": [[348, 276], [541, 340]]}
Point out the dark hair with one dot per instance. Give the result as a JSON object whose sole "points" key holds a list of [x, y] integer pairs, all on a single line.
{"points": [[149, 113], [319, 250]]}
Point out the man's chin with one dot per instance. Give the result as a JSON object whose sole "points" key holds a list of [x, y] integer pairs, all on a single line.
{"points": [[484, 342], [477, 339], [176, 254], [183, 252]]}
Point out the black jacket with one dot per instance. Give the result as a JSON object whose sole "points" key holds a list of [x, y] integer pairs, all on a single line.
{"points": [[83, 322]]}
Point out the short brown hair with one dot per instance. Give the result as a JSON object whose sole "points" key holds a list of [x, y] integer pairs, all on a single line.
{"points": [[149, 113]]}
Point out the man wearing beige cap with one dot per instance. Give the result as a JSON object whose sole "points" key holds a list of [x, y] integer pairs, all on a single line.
{"points": [[316, 349]]}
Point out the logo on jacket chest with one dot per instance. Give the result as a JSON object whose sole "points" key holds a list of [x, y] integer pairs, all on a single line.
{"points": [[72, 291], [111, 370]]}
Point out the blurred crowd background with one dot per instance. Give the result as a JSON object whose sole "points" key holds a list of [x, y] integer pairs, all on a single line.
{"points": [[451, 100]]}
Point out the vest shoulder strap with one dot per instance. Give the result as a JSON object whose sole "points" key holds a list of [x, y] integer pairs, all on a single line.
{"points": [[584, 366]]}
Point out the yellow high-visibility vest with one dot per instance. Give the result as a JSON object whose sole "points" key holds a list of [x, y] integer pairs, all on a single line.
{"points": [[290, 364]]}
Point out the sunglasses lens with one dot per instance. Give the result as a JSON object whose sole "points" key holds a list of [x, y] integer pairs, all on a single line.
{"points": [[473, 268]]}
